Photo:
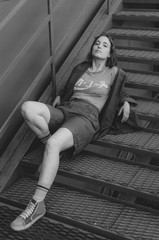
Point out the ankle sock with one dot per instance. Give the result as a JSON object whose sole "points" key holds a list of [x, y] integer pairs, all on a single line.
{"points": [[40, 193], [44, 139]]}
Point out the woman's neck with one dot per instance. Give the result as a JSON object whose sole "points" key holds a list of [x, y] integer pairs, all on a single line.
{"points": [[97, 66]]}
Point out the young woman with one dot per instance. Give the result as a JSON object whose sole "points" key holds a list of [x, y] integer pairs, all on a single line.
{"points": [[89, 106]]}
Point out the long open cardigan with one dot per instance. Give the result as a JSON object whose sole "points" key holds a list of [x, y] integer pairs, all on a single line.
{"points": [[109, 120]]}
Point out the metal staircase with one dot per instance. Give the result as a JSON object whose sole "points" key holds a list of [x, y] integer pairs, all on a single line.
{"points": [[98, 195]]}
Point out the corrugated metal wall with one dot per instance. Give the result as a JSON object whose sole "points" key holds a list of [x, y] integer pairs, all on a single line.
{"points": [[25, 48], [20, 63]]}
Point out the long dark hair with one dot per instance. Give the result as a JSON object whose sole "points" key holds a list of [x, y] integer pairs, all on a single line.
{"points": [[112, 60]]}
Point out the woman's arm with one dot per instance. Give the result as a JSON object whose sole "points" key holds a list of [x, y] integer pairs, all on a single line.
{"points": [[124, 96], [125, 111], [125, 102]]}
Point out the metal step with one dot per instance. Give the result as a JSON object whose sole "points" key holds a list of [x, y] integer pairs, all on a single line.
{"points": [[147, 109], [137, 55], [134, 34], [137, 15], [116, 173], [141, 1], [109, 217], [139, 142], [142, 80], [45, 229]]}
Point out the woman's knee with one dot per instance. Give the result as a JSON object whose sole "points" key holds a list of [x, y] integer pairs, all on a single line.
{"points": [[52, 144], [33, 112], [61, 140], [26, 110]]}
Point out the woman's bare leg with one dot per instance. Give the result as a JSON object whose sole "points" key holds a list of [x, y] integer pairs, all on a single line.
{"points": [[37, 117], [61, 140]]}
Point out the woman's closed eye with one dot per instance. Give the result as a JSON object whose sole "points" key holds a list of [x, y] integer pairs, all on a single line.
{"points": [[104, 44]]}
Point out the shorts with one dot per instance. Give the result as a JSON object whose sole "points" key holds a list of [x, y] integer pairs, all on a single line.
{"points": [[80, 117]]}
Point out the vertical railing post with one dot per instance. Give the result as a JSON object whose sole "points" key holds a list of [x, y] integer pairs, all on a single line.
{"points": [[52, 49], [108, 6]]}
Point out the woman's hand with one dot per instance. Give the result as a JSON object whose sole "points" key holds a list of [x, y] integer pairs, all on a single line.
{"points": [[125, 109], [57, 101]]}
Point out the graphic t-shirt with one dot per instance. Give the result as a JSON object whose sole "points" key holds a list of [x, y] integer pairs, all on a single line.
{"points": [[94, 87]]}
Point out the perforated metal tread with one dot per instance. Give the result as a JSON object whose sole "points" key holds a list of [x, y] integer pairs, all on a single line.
{"points": [[142, 80], [137, 34], [139, 141], [113, 171], [139, 15], [108, 214], [43, 230], [147, 109], [136, 55]]}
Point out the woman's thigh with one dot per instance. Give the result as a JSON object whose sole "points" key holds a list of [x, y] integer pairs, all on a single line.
{"points": [[33, 109], [62, 138]]}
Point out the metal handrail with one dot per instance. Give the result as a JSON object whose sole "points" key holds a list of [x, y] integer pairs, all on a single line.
{"points": [[108, 7], [52, 49]]}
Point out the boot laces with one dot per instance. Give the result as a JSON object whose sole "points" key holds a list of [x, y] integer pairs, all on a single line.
{"points": [[28, 211]]}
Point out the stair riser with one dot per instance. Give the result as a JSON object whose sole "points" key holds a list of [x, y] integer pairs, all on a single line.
{"points": [[124, 58], [136, 19], [141, 2]]}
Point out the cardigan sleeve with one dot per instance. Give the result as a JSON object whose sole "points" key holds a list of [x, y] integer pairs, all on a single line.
{"points": [[124, 96]]}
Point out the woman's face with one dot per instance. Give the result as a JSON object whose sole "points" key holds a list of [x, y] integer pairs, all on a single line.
{"points": [[101, 48]]}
